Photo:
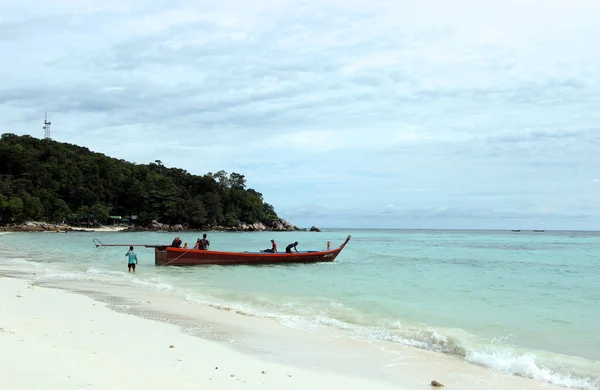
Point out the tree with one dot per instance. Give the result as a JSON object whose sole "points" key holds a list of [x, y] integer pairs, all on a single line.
{"points": [[101, 212], [214, 209], [195, 213], [237, 181], [12, 210], [221, 178], [60, 210], [33, 207]]}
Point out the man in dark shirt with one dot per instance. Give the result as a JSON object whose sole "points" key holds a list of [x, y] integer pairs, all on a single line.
{"points": [[288, 249], [176, 242], [203, 244]]}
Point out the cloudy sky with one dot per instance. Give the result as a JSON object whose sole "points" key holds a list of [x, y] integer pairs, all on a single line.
{"points": [[343, 113]]}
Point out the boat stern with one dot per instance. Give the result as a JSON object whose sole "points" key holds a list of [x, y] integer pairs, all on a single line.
{"points": [[160, 255]]}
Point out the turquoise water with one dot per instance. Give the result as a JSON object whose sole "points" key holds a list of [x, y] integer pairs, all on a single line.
{"points": [[525, 303]]}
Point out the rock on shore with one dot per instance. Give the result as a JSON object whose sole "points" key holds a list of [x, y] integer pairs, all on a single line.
{"points": [[279, 224], [32, 226]]}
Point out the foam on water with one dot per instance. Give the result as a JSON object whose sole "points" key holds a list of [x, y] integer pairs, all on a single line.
{"points": [[153, 282], [30, 262], [528, 365], [454, 341]]}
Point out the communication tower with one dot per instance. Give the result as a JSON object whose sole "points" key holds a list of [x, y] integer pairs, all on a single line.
{"points": [[47, 124]]}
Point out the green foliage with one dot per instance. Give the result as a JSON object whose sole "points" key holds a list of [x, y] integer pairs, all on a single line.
{"points": [[33, 208], [60, 211], [53, 181], [11, 209], [101, 212]]}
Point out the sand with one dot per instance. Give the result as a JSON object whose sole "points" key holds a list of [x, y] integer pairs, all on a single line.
{"points": [[116, 228], [54, 339]]}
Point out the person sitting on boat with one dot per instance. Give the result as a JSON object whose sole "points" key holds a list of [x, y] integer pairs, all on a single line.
{"points": [[176, 242], [202, 244], [185, 246], [273, 249], [288, 249]]}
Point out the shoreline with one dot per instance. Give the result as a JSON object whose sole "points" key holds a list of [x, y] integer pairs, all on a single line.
{"points": [[268, 341], [43, 227], [52, 338], [280, 225]]}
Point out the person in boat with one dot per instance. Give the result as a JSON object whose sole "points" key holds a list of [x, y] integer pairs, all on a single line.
{"points": [[185, 246], [202, 244], [176, 242], [273, 249], [132, 259], [288, 249]]}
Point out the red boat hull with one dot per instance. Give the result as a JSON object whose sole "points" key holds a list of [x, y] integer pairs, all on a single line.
{"points": [[165, 255]]}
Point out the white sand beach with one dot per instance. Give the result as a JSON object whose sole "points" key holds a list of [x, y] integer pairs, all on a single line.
{"points": [[114, 228], [52, 339]]}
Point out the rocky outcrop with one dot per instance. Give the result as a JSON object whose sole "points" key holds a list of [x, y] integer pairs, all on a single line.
{"points": [[156, 226], [252, 227], [32, 226], [281, 225]]}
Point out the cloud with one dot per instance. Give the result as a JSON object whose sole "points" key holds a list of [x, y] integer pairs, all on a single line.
{"points": [[445, 109]]}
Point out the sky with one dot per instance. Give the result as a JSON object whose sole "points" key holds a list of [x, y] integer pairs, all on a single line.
{"points": [[380, 114]]}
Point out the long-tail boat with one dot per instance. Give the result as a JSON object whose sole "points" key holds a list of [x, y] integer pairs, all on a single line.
{"points": [[169, 255]]}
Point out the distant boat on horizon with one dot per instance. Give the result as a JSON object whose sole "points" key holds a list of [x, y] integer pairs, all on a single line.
{"points": [[516, 230], [539, 231]]}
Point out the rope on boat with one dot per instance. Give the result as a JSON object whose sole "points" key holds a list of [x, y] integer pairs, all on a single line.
{"points": [[189, 249]]}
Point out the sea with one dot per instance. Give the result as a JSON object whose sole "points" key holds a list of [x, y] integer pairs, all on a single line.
{"points": [[523, 303]]}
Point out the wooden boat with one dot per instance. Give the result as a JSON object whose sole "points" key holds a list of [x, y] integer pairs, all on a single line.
{"points": [[166, 255], [169, 255]]}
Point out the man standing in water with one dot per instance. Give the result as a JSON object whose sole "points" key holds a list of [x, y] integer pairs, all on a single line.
{"points": [[132, 259]]}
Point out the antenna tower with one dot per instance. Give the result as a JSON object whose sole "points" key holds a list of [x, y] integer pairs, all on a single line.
{"points": [[47, 124]]}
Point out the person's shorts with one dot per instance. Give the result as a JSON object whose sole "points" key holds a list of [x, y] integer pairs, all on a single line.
{"points": [[130, 266]]}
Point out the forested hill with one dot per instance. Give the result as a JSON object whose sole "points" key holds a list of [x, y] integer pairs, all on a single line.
{"points": [[51, 181]]}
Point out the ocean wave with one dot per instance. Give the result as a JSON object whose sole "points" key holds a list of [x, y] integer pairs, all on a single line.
{"points": [[528, 365], [231, 307], [63, 275], [22, 260], [494, 354], [153, 282], [102, 272]]}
